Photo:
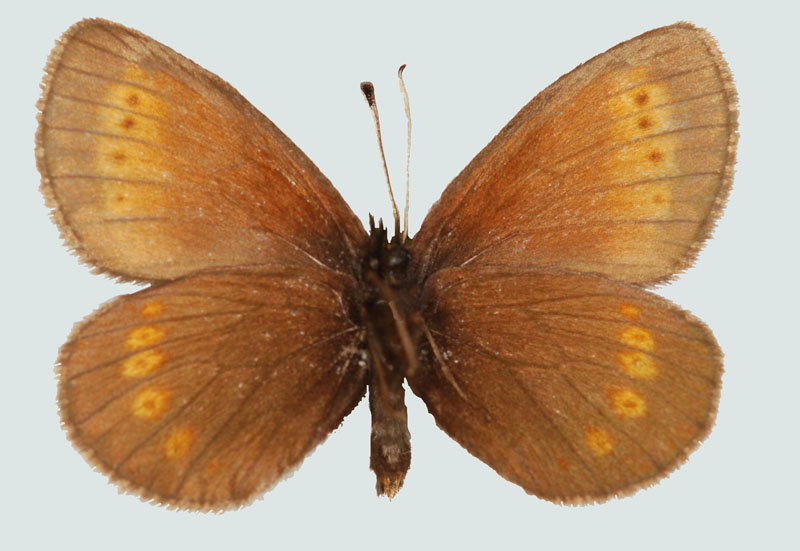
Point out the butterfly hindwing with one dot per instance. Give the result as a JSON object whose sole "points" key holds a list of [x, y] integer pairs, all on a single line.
{"points": [[155, 167], [574, 386], [203, 392], [620, 168]]}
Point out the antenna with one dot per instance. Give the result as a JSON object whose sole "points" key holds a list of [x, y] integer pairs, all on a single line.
{"points": [[369, 94], [408, 148]]}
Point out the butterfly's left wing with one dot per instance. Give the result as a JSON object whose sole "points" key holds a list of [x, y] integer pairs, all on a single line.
{"points": [[203, 392], [156, 168], [574, 386]]}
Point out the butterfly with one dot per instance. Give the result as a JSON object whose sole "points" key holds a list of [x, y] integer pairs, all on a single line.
{"points": [[518, 313]]}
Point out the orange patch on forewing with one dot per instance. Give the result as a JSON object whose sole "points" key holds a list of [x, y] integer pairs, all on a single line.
{"points": [[179, 443], [135, 92], [638, 109], [637, 337], [633, 91], [626, 402], [132, 199], [637, 161], [133, 130], [598, 441], [627, 160], [638, 365], [151, 403], [640, 124], [125, 124], [143, 363], [152, 308], [629, 311], [144, 336], [563, 464]]}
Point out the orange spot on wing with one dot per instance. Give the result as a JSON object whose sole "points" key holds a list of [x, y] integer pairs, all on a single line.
{"points": [[133, 91], [598, 441], [638, 337], [649, 158], [152, 308], [151, 403], [130, 199], [143, 363], [144, 336], [627, 402], [563, 464], [629, 311], [637, 364], [179, 443]]}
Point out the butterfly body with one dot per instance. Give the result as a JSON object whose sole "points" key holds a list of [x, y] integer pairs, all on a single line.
{"points": [[391, 338], [518, 313]]}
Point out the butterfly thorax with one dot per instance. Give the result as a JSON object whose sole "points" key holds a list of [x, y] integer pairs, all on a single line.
{"points": [[391, 341]]}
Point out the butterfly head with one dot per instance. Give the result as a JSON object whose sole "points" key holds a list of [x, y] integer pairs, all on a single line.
{"points": [[386, 260]]}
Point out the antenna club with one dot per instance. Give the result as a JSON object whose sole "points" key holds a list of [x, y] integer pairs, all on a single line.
{"points": [[369, 92]]}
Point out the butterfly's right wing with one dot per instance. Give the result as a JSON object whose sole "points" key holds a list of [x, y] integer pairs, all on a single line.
{"points": [[155, 167], [620, 167], [574, 386], [203, 392]]}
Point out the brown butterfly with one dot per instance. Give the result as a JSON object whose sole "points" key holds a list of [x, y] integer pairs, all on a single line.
{"points": [[517, 313]]}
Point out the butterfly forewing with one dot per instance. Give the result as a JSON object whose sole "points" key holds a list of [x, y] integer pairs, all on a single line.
{"points": [[574, 386], [203, 392], [155, 167], [619, 168]]}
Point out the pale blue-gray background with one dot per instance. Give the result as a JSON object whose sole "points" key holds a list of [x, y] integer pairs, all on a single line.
{"points": [[471, 67]]}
